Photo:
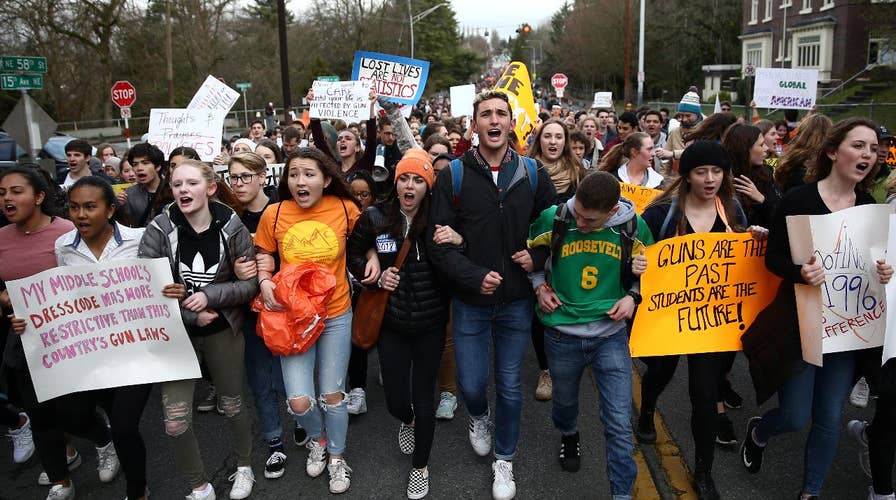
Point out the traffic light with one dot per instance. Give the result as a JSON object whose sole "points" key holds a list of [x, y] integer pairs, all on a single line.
{"points": [[524, 29]]}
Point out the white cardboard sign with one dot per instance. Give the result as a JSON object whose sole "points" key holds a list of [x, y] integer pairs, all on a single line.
{"points": [[214, 95], [603, 100], [102, 325], [199, 129], [347, 101], [462, 99], [786, 88]]}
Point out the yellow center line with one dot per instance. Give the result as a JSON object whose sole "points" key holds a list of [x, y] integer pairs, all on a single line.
{"points": [[676, 470]]}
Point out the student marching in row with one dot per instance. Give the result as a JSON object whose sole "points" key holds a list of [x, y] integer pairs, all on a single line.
{"points": [[485, 235]]}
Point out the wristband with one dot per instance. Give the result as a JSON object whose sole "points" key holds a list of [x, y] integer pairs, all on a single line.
{"points": [[262, 280]]}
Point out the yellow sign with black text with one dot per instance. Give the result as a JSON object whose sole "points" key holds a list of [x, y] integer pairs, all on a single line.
{"points": [[516, 84]]}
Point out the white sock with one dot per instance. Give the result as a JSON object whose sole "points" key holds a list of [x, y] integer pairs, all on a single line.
{"points": [[204, 492]]}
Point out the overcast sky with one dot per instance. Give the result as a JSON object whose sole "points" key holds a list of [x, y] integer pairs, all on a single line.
{"points": [[502, 15]]}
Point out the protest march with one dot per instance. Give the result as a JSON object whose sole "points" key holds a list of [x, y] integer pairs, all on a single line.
{"points": [[441, 239]]}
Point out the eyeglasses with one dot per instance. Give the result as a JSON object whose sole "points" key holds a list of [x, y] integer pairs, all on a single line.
{"points": [[243, 178], [362, 194]]}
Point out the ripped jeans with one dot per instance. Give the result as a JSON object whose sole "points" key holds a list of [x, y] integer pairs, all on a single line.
{"points": [[328, 359], [223, 354]]}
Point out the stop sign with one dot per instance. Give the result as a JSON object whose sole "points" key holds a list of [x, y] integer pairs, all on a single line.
{"points": [[559, 81], [123, 94]]}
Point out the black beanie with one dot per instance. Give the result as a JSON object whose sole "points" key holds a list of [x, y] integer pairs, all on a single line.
{"points": [[703, 153]]}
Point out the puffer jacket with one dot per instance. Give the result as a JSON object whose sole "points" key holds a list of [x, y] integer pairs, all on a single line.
{"points": [[226, 294], [419, 302]]}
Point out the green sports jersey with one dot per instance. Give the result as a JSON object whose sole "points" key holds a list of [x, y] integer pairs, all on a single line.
{"points": [[586, 276]]}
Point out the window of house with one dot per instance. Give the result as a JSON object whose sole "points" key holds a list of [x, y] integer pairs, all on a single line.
{"points": [[882, 51], [786, 3], [807, 7], [769, 7], [754, 11], [808, 51], [754, 54], [827, 4]]}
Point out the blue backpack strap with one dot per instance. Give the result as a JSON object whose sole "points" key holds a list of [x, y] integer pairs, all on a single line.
{"points": [[457, 179], [531, 172]]}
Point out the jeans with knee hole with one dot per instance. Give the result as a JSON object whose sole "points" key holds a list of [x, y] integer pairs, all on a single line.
{"points": [[327, 362], [818, 393], [223, 354], [475, 329]]}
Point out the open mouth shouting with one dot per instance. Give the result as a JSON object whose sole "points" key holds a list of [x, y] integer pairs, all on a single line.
{"points": [[9, 210], [185, 202], [303, 196]]}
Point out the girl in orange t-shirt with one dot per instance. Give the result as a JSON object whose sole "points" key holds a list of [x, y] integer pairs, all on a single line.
{"points": [[311, 224]]}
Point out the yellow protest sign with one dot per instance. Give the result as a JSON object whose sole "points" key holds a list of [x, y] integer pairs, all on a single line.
{"points": [[117, 188], [516, 84], [701, 292], [639, 195]]}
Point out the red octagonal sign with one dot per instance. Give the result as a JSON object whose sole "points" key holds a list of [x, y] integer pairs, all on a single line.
{"points": [[559, 81], [123, 94]]}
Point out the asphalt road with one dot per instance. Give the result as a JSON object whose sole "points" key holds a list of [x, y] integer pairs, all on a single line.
{"points": [[380, 469]]}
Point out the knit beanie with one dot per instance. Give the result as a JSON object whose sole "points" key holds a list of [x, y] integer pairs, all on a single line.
{"points": [[702, 153], [248, 142], [416, 161], [690, 103]]}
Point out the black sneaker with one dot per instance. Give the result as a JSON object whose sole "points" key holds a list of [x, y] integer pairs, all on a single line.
{"points": [[726, 431], [646, 431], [731, 398], [274, 467], [705, 486], [299, 436], [569, 453], [750, 452]]}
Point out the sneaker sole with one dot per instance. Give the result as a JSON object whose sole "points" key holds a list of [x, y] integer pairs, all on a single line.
{"points": [[274, 475], [418, 496], [726, 443], [72, 466]]}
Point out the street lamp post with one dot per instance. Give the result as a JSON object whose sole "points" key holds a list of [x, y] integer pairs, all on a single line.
{"points": [[413, 19]]}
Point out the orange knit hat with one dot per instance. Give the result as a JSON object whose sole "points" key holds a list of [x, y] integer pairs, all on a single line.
{"points": [[416, 161]]}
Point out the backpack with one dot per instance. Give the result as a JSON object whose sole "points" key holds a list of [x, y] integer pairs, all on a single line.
{"points": [[457, 175], [628, 233]]}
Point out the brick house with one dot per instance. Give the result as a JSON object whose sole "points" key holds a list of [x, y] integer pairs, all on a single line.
{"points": [[836, 37]]}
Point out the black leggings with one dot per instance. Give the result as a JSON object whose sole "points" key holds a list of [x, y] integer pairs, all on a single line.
{"points": [[8, 417], [124, 407], [73, 413], [357, 368], [704, 372], [414, 353], [882, 432]]}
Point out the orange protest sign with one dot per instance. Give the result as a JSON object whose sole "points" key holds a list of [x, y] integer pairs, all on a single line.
{"points": [[117, 188], [701, 292], [639, 195]]}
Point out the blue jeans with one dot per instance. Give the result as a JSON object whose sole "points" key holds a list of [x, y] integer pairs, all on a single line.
{"points": [[819, 393], [265, 380], [328, 360], [611, 364], [508, 326]]}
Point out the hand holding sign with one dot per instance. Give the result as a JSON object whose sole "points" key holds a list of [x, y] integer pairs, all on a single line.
{"points": [[812, 272], [884, 271]]}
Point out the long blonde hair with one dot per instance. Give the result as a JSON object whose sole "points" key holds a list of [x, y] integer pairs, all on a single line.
{"points": [[568, 161]]}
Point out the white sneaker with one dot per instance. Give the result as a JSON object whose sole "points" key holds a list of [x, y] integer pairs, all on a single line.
{"points": [[107, 462], [503, 487], [447, 406], [73, 463], [22, 441], [858, 397], [340, 476], [275, 465], [357, 402], [856, 429], [481, 435], [242, 480], [873, 496], [209, 494], [317, 458], [406, 438], [59, 492]]}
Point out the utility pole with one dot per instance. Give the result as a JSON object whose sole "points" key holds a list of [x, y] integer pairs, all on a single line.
{"points": [[641, 55], [170, 65], [627, 59], [284, 60]]}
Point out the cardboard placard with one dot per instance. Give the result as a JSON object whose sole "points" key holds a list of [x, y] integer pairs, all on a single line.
{"points": [[786, 88], [200, 129], [462, 100], [347, 101], [214, 95], [516, 84], [401, 79], [641, 196], [603, 100]]}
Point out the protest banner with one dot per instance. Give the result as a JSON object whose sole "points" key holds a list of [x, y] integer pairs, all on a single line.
{"points": [[786, 88], [102, 325], [639, 195], [516, 84], [214, 95], [275, 172], [199, 129], [603, 100], [701, 292], [462, 99], [891, 155], [118, 188], [890, 289], [349, 101], [400, 79], [848, 311]]}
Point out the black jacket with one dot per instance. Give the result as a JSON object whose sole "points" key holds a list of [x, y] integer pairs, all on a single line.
{"points": [[494, 226], [419, 302]]}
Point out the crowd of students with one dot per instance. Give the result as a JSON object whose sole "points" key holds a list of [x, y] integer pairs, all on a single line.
{"points": [[488, 235]]}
